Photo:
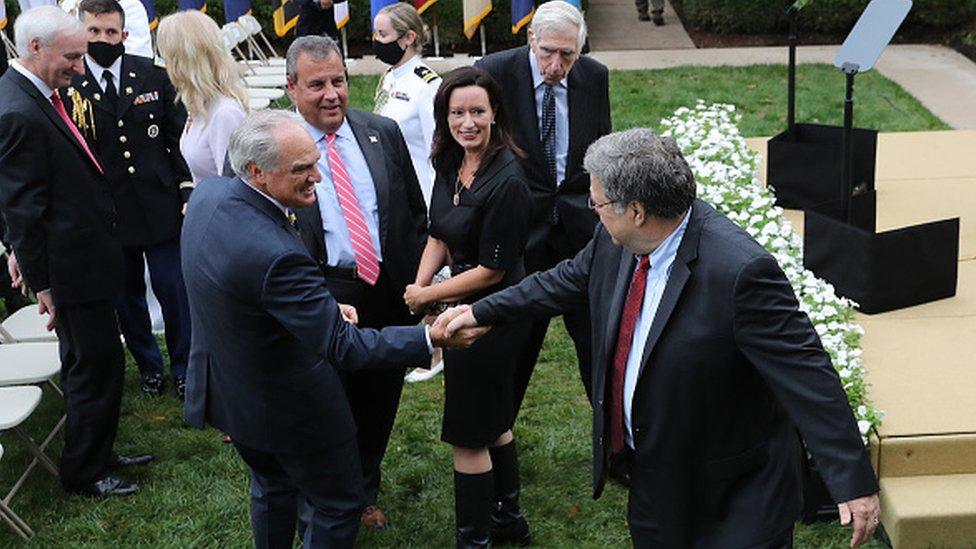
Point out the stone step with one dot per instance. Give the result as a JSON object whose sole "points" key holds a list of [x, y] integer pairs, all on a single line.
{"points": [[930, 511]]}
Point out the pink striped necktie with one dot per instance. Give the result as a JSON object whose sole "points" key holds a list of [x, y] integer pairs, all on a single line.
{"points": [[367, 266], [59, 107]]}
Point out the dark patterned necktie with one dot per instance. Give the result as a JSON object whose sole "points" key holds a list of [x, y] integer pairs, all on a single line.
{"points": [[549, 130], [111, 96], [625, 337]]}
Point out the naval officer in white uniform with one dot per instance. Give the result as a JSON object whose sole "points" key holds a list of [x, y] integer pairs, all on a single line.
{"points": [[406, 91]]}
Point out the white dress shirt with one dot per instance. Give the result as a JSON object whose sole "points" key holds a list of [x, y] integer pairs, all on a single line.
{"points": [[661, 260], [338, 243], [45, 90], [98, 72]]}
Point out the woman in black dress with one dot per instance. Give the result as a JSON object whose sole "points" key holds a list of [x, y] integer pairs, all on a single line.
{"points": [[478, 225]]}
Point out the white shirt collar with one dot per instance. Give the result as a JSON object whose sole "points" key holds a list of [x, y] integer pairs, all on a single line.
{"points": [[536, 75], [45, 90], [277, 204], [344, 131], [407, 67], [668, 249], [97, 71]]}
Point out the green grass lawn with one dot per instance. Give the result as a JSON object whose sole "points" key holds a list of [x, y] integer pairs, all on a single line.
{"points": [[643, 98], [196, 494]]}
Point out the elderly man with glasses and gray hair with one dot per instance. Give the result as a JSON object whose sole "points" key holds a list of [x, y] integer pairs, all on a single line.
{"points": [[269, 339], [704, 368]]}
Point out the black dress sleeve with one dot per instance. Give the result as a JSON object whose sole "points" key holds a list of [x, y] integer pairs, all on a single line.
{"points": [[504, 225]]}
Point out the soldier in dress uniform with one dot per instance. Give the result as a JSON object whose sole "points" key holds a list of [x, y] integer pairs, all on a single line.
{"points": [[126, 107], [406, 94]]}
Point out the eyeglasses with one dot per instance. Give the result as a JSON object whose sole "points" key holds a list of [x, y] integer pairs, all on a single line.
{"points": [[596, 206]]}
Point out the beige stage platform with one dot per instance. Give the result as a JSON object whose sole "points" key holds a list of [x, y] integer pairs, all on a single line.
{"points": [[921, 361]]}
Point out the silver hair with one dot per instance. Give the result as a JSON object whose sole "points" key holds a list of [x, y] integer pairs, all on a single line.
{"points": [[557, 15], [640, 166], [44, 23], [255, 141], [316, 47]]}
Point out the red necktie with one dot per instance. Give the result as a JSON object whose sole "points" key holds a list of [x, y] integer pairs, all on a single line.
{"points": [[367, 266], [59, 107], [628, 323]]}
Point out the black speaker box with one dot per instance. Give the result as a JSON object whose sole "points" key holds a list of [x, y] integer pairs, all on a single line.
{"points": [[804, 164], [881, 271]]}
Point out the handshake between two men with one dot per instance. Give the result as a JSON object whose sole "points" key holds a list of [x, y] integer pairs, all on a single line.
{"points": [[455, 328]]}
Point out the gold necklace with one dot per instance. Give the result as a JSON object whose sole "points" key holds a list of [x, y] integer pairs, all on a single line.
{"points": [[457, 190]]}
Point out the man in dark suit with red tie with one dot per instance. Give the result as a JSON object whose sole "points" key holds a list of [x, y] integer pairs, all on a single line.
{"points": [[60, 220], [704, 368]]}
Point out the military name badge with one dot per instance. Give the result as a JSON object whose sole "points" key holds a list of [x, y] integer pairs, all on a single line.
{"points": [[153, 131], [147, 97]]}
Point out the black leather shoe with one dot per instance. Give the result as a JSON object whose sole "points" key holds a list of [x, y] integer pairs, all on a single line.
{"points": [[108, 487], [128, 461], [658, 19], [153, 384], [642, 16], [180, 383]]}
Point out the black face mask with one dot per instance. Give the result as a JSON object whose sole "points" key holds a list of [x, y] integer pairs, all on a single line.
{"points": [[104, 53], [388, 52]]}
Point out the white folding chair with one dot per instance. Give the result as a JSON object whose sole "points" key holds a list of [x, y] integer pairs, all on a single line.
{"points": [[252, 26], [258, 103], [266, 81], [26, 325], [8, 45], [267, 93], [15, 523], [16, 405], [32, 364]]}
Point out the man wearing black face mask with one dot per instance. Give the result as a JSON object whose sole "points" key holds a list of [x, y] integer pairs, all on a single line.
{"points": [[125, 107]]}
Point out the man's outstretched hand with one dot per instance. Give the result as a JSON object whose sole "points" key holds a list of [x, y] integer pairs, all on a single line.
{"points": [[865, 513], [460, 336], [461, 318]]}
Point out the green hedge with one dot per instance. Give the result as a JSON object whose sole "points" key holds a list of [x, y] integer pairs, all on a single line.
{"points": [[830, 16]]}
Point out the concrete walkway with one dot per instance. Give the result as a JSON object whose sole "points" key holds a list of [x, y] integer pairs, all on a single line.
{"points": [[612, 25], [943, 80]]}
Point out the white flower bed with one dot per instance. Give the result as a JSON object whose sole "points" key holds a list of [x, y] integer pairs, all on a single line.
{"points": [[727, 173]]}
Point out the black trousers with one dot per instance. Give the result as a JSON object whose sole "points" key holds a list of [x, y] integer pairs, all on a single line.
{"points": [[166, 277], [374, 396], [322, 488], [92, 373], [577, 323], [578, 326]]}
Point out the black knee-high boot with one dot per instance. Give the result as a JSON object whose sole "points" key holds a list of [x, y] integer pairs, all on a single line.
{"points": [[507, 523], [472, 509]]}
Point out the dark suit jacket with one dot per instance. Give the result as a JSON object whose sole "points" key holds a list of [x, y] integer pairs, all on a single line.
{"points": [[313, 20], [589, 119], [146, 170], [58, 208], [730, 369], [267, 335], [402, 212]]}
